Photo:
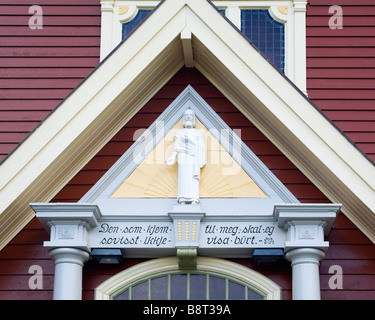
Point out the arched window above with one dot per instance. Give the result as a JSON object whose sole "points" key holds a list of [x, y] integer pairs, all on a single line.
{"points": [[214, 279], [195, 285]]}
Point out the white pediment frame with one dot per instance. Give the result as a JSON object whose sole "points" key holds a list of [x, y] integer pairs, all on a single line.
{"points": [[101, 192]]}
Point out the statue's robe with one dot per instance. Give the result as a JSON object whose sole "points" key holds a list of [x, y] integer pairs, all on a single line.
{"points": [[191, 156]]}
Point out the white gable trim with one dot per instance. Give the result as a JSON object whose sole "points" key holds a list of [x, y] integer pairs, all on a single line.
{"points": [[131, 75], [294, 19]]}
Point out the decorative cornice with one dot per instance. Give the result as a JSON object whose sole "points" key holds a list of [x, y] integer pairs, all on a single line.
{"points": [[107, 5]]}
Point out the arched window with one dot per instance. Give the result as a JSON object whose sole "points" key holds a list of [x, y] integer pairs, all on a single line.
{"points": [[160, 279]]}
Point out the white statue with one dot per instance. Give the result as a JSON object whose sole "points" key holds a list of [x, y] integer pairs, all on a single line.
{"points": [[190, 151]]}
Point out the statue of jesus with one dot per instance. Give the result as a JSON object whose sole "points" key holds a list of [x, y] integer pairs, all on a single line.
{"points": [[190, 151]]}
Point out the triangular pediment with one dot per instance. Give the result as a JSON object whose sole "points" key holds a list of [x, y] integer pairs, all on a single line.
{"points": [[233, 175], [133, 73], [221, 177]]}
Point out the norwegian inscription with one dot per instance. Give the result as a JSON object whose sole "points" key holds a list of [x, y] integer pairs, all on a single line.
{"points": [[212, 234], [134, 235], [231, 234]]}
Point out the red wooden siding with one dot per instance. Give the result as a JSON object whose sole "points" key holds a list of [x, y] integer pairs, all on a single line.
{"points": [[39, 68], [341, 68]]}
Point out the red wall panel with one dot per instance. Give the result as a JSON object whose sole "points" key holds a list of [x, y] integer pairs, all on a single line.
{"points": [[39, 68], [341, 68]]}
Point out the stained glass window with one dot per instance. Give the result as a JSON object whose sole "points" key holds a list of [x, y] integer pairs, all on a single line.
{"points": [[266, 34]]}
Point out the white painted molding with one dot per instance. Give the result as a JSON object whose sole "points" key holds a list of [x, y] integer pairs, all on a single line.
{"points": [[233, 13], [60, 212], [300, 44], [68, 224], [306, 224], [106, 28], [277, 15], [129, 15], [187, 47]]}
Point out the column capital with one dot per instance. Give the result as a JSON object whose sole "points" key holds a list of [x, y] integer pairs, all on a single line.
{"points": [[69, 255], [67, 223], [107, 5], [300, 5], [305, 255], [306, 224]]}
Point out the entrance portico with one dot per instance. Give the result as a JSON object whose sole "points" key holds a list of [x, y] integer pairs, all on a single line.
{"points": [[297, 229]]}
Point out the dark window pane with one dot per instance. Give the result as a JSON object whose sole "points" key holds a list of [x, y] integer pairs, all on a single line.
{"points": [[140, 291], [236, 291], [178, 287], [128, 27], [217, 288], [266, 34], [198, 287], [123, 296], [159, 288], [252, 295]]}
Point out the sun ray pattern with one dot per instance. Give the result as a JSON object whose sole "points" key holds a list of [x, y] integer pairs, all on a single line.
{"points": [[154, 179]]}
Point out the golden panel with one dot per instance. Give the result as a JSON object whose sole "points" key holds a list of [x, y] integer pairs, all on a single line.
{"points": [[283, 9], [123, 9], [221, 177]]}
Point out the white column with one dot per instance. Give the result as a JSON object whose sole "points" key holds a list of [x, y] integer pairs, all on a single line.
{"points": [[106, 28], [68, 225], [306, 226], [305, 266], [300, 44], [68, 273], [233, 13]]}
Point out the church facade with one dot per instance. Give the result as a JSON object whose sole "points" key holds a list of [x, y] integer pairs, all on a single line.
{"points": [[187, 150]]}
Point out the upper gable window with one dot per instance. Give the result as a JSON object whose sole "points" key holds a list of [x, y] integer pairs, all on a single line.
{"points": [[276, 28], [266, 34]]}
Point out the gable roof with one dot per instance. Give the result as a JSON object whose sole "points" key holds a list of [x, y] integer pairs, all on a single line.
{"points": [[177, 32]]}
